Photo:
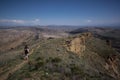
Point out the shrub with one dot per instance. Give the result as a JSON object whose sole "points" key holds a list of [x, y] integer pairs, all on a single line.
{"points": [[56, 60], [39, 64], [39, 58], [76, 70]]}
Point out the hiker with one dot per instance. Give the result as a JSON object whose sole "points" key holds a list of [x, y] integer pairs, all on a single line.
{"points": [[26, 51], [108, 42]]}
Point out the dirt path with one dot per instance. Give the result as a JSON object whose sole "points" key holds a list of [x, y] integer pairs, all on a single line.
{"points": [[17, 67]]}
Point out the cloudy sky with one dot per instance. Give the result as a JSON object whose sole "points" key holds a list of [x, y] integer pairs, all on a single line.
{"points": [[60, 12]]}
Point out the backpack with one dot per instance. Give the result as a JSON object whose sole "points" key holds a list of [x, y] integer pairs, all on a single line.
{"points": [[27, 50]]}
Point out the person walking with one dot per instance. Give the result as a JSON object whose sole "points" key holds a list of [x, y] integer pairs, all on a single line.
{"points": [[26, 52]]}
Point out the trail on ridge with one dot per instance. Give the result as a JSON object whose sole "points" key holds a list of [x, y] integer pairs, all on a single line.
{"points": [[17, 67]]}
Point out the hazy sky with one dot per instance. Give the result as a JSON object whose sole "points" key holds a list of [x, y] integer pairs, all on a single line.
{"points": [[59, 12]]}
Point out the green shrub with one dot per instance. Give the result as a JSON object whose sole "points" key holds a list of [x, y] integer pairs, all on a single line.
{"points": [[39, 58], [56, 60], [76, 70], [27, 75], [39, 64]]}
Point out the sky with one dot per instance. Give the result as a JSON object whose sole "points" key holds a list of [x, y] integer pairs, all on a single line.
{"points": [[60, 12]]}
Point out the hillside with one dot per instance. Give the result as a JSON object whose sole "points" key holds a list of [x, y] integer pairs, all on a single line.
{"points": [[104, 33], [12, 41], [77, 57]]}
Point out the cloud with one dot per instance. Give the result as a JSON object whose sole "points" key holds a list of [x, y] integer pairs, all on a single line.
{"points": [[14, 21], [89, 21], [37, 20]]}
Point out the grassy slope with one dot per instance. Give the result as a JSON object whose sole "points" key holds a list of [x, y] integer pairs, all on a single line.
{"points": [[53, 62], [13, 57]]}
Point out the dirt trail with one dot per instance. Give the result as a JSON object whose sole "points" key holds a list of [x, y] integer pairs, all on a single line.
{"points": [[17, 67]]}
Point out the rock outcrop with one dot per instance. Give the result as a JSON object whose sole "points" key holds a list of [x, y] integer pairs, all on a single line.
{"points": [[77, 43], [112, 66]]}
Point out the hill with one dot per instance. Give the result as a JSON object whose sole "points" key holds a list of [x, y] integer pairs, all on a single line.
{"points": [[76, 57], [104, 33]]}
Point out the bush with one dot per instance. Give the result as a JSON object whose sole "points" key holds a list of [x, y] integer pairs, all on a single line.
{"points": [[76, 70], [56, 60], [39, 58], [39, 64]]}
